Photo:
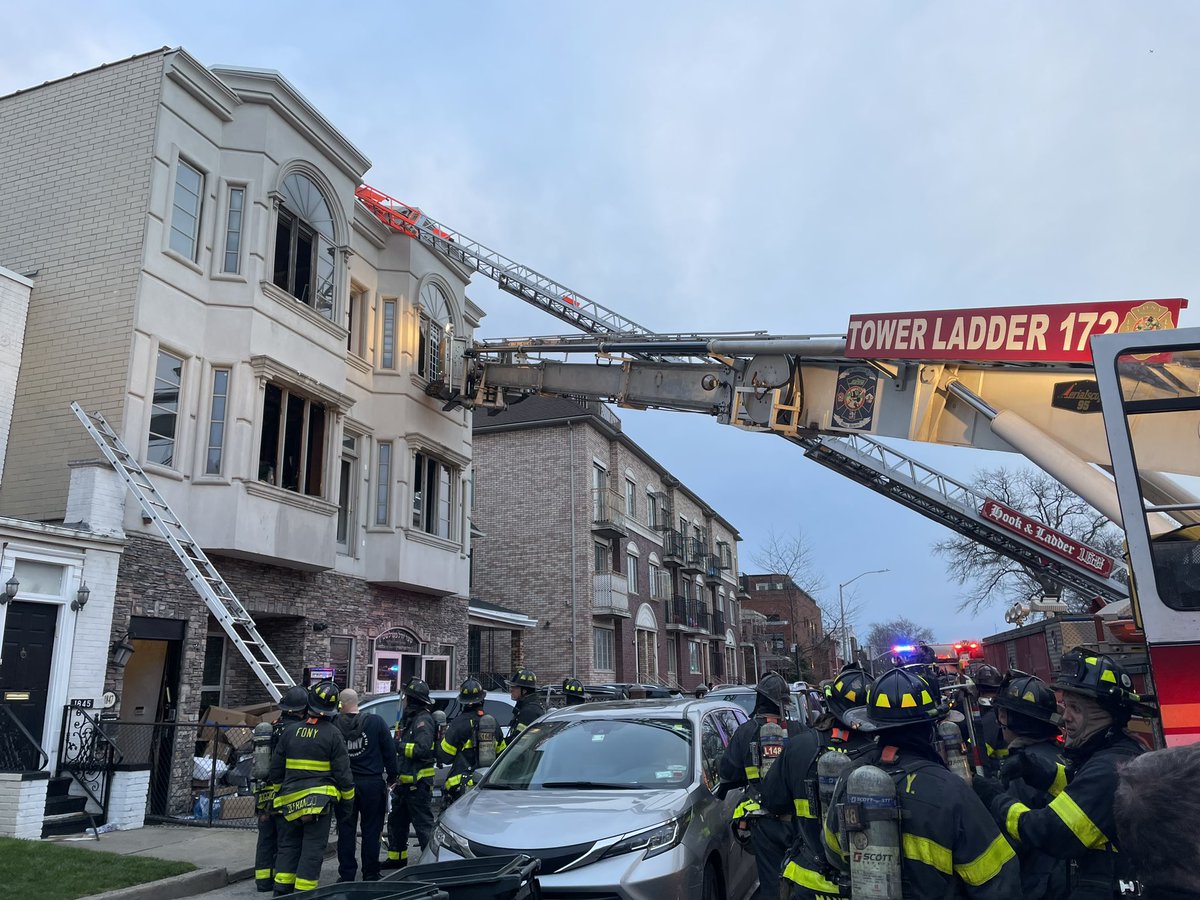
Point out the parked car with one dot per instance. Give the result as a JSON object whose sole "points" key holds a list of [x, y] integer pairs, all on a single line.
{"points": [[616, 799], [653, 691], [744, 696], [495, 703]]}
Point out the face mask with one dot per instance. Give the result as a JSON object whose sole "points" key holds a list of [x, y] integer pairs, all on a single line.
{"points": [[1084, 718]]}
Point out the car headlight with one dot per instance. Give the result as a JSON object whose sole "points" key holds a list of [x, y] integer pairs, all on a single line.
{"points": [[654, 840], [455, 843]]}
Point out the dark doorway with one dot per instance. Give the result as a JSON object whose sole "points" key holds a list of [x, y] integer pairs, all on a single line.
{"points": [[25, 661]]}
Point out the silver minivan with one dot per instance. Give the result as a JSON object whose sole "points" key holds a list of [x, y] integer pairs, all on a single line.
{"points": [[616, 800]]}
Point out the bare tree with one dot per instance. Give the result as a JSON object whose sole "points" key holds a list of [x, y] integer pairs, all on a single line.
{"points": [[998, 580], [885, 635], [791, 556]]}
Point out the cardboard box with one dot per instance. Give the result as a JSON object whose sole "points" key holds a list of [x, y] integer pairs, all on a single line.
{"points": [[237, 808], [245, 717]]}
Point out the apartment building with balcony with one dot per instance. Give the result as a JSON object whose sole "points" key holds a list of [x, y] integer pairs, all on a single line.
{"points": [[630, 574], [201, 273], [786, 628]]}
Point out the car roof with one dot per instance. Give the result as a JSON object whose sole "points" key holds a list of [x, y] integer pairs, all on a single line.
{"points": [[649, 709]]}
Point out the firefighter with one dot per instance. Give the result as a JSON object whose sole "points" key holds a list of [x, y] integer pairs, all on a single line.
{"points": [[471, 740], [412, 793], [573, 691], [523, 689], [373, 764], [987, 729], [791, 785], [1027, 711], [1078, 824], [753, 750], [292, 706], [949, 842], [311, 768]]}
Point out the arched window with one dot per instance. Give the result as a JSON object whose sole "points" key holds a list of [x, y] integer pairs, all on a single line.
{"points": [[646, 644], [435, 330], [304, 244]]}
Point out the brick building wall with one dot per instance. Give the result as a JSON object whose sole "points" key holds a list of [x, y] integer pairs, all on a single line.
{"points": [[799, 622], [75, 182], [285, 604]]}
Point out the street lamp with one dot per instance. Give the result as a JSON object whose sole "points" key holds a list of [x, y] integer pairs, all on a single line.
{"points": [[842, 609]]}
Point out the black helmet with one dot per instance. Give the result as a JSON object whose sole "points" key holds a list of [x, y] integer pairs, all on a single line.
{"points": [[1029, 696], [524, 678], [323, 699], [847, 690], [573, 688], [773, 688], [418, 690], [898, 697], [988, 677], [1099, 676], [294, 700], [470, 693], [700, 690]]}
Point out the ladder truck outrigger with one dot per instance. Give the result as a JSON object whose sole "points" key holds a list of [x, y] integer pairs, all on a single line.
{"points": [[1119, 430]]}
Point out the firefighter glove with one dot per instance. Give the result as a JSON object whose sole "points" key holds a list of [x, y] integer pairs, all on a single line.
{"points": [[1037, 772], [987, 789]]}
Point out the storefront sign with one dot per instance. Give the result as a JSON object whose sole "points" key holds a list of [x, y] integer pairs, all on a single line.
{"points": [[1049, 539], [1057, 333]]}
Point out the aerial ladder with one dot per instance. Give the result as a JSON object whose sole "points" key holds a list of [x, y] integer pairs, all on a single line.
{"points": [[767, 383]]}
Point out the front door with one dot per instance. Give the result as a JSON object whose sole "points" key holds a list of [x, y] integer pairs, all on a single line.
{"points": [[25, 661]]}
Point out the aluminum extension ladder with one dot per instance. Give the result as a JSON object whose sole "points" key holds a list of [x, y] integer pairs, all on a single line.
{"points": [[207, 581]]}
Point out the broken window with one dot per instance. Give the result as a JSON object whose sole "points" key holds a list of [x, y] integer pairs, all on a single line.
{"points": [[304, 247], [292, 450]]}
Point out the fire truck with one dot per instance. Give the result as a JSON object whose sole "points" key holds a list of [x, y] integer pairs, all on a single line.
{"points": [[1103, 396]]}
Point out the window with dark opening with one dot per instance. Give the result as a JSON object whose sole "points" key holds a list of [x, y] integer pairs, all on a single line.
{"points": [[292, 450], [304, 248]]}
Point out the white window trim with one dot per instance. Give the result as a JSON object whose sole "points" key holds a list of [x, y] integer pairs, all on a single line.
{"points": [[192, 262], [178, 467], [221, 217], [209, 376], [377, 459], [612, 648]]}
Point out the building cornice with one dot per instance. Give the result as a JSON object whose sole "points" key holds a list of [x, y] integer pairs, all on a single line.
{"points": [[184, 70], [271, 89]]}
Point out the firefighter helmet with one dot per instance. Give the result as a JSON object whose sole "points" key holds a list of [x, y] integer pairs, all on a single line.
{"points": [[898, 697], [774, 689], [988, 677], [847, 690], [1029, 696], [294, 700], [573, 689], [471, 692], [416, 689], [323, 699], [1099, 676], [524, 678]]}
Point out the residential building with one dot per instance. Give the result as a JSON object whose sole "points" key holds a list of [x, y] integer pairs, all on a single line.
{"points": [[199, 270], [790, 638], [631, 575]]}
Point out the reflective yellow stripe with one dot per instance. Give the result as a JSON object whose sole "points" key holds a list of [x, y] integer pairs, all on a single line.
{"points": [[986, 865], [426, 773], [408, 750], [346, 795], [803, 810], [752, 773], [1013, 820], [1060, 780], [327, 789], [393, 855], [285, 877], [929, 852], [453, 781], [1079, 823], [305, 884], [262, 874], [810, 879], [746, 806], [449, 748], [309, 765], [468, 745], [831, 841]]}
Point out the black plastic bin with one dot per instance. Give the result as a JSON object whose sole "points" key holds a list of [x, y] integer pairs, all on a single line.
{"points": [[376, 890], [486, 878]]}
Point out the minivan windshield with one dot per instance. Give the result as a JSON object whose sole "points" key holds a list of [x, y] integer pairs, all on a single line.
{"points": [[597, 754]]}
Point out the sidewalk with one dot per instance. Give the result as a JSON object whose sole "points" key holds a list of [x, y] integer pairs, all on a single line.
{"points": [[222, 856]]}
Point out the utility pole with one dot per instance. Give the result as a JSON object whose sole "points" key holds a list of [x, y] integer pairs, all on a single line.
{"points": [[843, 639]]}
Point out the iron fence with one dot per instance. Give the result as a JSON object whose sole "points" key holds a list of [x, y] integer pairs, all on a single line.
{"points": [[19, 750], [199, 773]]}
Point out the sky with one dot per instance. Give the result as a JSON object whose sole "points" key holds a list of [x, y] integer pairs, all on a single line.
{"points": [[714, 166]]}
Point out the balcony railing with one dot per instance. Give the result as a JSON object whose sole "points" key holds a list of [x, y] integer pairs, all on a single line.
{"points": [[703, 619], [718, 622], [712, 568], [673, 547], [610, 595], [608, 513], [695, 554]]}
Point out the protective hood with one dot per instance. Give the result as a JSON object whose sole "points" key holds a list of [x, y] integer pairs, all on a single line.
{"points": [[1095, 720]]}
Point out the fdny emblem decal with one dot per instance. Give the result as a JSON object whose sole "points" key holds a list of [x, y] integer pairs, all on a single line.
{"points": [[854, 399]]}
